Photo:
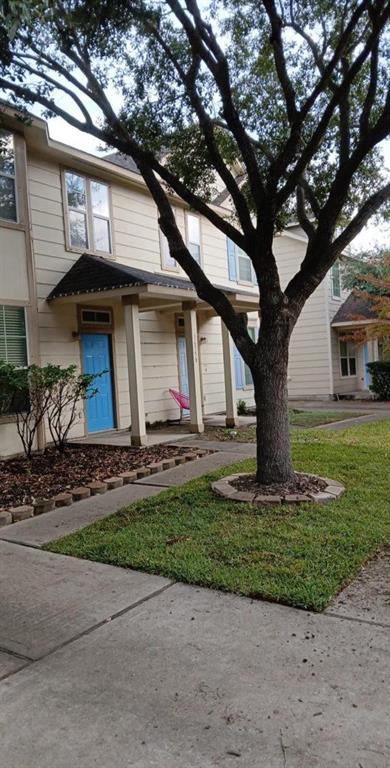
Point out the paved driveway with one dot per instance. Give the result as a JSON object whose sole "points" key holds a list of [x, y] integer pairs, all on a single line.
{"points": [[112, 668]]}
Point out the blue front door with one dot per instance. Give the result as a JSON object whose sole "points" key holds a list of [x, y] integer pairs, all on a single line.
{"points": [[96, 357]]}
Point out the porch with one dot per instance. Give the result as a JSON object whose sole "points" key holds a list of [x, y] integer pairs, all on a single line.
{"points": [[95, 280]]}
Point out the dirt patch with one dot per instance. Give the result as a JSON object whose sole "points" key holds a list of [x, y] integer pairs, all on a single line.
{"points": [[301, 484], [49, 473]]}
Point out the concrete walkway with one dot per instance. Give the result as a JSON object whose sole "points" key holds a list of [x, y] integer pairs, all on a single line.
{"points": [[102, 666]]}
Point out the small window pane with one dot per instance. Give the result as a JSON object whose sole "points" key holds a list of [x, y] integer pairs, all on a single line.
{"points": [[99, 194], [101, 233], [78, 229], [7, 156], [247, 376], [7, 199], [194, 251], [344, 366], [193, 229], [343, 348], [352, 366], [336, 281], [166, 259], [244, 269], [75, 187]]}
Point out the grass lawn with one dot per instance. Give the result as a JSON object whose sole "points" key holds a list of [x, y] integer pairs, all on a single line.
{"points": [[297, 555], [297, 418]]}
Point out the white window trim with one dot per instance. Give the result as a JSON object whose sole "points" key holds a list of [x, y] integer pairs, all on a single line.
{"points": [[15, 180], [196, 216], [347, 357], [89, 214], [163, 245], [240, 280], [335, 297], [107, 323]]}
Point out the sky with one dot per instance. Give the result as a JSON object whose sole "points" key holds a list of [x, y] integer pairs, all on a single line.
{"points": [[59, 130]]}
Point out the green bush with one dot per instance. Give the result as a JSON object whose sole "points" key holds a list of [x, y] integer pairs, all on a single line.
{"points": [[380, 373], [242, 408]]}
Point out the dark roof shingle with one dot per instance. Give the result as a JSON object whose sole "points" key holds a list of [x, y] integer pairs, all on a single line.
{"points": [[353, 309], [92, 274]]}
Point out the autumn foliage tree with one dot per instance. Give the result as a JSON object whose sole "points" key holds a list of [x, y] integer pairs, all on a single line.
{"points": [[283, 102], [369, 278]]}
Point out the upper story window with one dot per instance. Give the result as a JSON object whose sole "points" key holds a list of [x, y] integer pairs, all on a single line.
{"points": [[239, 264], [167, 262], [335, 277], [8, 207], [193, 236], [347, 358], [13, 340], [88, 210]]}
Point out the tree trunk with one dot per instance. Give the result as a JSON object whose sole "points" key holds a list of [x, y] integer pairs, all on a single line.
{"points": [[274, 463]]}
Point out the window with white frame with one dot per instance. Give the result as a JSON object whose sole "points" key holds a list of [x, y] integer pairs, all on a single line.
{"points": [[167, 262], [239, 264], [8, 206], [193, 236], [242, 371], [13, 339], [88, 213], [347, 358], [335, 277]]}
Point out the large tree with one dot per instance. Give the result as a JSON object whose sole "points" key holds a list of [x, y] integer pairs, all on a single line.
{"points": [[283, 102]]}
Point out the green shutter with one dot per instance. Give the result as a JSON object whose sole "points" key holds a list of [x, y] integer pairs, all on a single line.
{"points": [[13, 346]]}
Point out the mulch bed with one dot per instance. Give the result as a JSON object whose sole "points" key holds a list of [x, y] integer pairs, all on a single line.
{"points": [[49, 473], [301, 484]]}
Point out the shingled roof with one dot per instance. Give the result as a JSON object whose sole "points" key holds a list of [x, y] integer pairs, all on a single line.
{"points": [[124, 161], [94, 274], [355, 309]]}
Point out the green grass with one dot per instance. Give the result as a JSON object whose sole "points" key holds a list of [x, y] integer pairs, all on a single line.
{"points": [[296, 555], [314, 418], [297, 418]]}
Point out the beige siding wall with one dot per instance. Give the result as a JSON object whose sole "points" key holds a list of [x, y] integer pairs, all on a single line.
{"points": [[137, 242], [309, 362], [341, 384]]}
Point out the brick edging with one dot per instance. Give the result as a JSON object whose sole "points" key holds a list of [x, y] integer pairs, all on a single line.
{"points": [[97, 487], [224, 488]]}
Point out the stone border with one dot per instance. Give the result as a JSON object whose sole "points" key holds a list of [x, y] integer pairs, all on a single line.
{"points": [[97, 487], [223, 488]]}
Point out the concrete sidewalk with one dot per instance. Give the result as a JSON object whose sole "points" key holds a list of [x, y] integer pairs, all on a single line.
{"points": [[102, 666], [114, 668]]}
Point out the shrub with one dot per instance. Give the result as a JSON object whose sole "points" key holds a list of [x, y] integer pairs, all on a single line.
{"points": [[67, 389], [24, 392], [35, 393], [242, 408], [380, 373]]}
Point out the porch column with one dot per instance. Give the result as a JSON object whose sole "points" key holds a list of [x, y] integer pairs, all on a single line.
{"points": [[230, 381], [134, 363], [192, 349]]}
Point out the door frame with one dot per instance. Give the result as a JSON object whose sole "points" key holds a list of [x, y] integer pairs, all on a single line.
{"points": [[108, 331]]}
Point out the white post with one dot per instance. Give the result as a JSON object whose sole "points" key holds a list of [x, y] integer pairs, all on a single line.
{"points": [[134, 363], [195, 390], [230, 381]]}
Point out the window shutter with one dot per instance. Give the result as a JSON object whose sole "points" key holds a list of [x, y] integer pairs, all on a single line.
{"points": [[231, 254], [238, 369]]}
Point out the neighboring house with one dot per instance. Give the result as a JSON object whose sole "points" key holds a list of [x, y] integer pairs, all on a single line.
{"points": [[86, 277]]}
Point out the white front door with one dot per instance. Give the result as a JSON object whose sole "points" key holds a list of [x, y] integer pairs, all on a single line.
{"points": [[183, 370]]}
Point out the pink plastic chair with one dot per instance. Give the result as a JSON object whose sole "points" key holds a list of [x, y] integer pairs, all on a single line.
{"points": [[180, 398]]}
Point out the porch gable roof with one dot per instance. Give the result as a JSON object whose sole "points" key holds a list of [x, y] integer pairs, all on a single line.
{"points": [[96, 275], [355, 310]]}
